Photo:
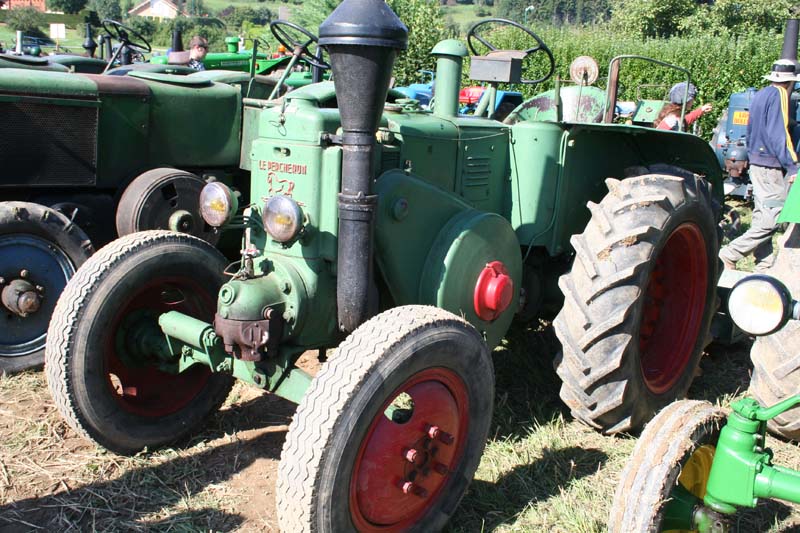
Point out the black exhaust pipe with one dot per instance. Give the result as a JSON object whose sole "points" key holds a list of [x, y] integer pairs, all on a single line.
{"points": [[89, 43], [789, 50], [177, 41], [362, 38]]}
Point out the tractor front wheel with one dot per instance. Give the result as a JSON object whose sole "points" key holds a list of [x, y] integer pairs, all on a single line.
{"points": [[107, 380], [392, 429], [639, 299], [667, 474]]}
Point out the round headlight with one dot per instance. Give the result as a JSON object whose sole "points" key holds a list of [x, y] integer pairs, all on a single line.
{"points": [[218, 204], [283, 218], [759, 304]]}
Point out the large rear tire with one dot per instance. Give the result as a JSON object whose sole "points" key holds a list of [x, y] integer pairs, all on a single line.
{"points": [[39, 247], [639, 299], [776, 363], [355, 460], [102, 384], [676, 447]]}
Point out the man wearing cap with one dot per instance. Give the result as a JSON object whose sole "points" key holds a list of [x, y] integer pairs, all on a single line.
{"points": [[198, 48], [773, 165]]}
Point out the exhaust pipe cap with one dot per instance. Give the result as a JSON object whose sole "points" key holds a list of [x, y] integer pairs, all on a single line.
{"points": [[364, 23]]}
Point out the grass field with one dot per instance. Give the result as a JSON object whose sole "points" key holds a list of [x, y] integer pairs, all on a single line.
{"points": [[541, 470]]}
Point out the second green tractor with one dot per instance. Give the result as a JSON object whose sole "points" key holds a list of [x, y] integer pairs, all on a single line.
{"points": [[408, 240]]}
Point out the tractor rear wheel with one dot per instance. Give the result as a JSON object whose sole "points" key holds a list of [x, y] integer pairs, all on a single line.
{"points": [[776, 363], [639, 299], [40, 249], [164, 198], [391, 431], [106, 381], [670, 464]]}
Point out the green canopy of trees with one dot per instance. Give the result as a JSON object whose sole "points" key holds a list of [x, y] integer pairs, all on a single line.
{"points": [[67, 6]]}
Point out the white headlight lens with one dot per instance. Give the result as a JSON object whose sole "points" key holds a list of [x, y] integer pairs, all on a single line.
{"points": [[283, 218], [217, 204], [759, 304]]}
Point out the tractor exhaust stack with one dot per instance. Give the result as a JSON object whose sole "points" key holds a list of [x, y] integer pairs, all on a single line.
{"points": [[789, 50], [362, 38]]}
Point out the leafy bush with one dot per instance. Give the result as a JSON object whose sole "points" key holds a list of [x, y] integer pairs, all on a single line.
{"points": [[25, 19], [235, 16], [719, 65]]}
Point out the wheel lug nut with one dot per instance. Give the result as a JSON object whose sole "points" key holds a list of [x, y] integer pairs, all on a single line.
{"points": [[440, 469], [409, 487], [411, 455], [435, 432], [39, 289], [23, 273]]}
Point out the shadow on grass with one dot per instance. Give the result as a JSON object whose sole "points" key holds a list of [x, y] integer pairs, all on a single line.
{"points": [[527, 385], [488, 505], [144, 497], [724, 372]]}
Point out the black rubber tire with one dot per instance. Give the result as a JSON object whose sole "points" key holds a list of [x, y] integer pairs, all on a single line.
{"points": [[333, 417], [776, 363], [652, 470], [24, 218], [145, 206], [605, 291], [82, 325]]}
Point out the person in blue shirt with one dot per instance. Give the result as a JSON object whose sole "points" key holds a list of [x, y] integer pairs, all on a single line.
{"points": [[773, 165]]}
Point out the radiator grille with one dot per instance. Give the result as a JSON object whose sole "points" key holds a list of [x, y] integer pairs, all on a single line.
{"points": [[48, 144]]}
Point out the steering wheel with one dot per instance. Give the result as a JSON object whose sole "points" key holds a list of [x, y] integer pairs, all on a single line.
{"points": [[287, 35], [474, 35], [123, 33]]}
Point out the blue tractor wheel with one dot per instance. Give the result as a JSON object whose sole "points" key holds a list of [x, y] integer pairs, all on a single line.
{"points": [[40, 249]]}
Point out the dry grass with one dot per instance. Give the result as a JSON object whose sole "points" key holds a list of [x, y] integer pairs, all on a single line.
{"points": [[541, 470]]}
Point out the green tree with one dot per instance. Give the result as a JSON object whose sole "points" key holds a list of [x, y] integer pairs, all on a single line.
{"points": [[67, 6], [739, 17], [651, 18], [106, 9], [25, 19]]}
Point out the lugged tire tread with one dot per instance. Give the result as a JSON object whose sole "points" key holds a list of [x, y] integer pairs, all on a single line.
{"points": [[600, 293], [776, 363]]}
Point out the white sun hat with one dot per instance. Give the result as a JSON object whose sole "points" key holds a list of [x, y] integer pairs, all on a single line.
{"points": [[783, 70]]}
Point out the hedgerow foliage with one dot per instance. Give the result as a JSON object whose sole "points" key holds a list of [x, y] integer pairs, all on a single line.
{"points": [[719, 65]]}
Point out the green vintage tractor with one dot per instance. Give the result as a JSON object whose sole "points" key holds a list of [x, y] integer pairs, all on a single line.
{"points": [[89, 157], [692, 469], [409, 240]]}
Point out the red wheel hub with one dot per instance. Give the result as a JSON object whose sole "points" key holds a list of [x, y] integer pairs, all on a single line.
{"points": [[134, 379], [493, 292], [673, 309], [401, 468]]}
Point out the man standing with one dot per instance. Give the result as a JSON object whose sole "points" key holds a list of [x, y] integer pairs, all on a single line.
{"points": [[773, 165], [198, 48]]}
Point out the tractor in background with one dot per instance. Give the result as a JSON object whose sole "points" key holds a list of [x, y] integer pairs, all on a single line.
{"points": [[408, 240], [90, 157]]}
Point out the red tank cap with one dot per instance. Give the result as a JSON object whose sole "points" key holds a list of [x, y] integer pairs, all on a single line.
{"points": [[493, 292]]}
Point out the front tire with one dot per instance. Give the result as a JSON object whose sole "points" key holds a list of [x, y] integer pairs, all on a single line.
{"points": [[776, 365], [347, 466], [676, 448], [639, 300], [103, 385]]}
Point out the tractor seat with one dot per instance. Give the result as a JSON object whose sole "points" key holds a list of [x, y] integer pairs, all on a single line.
{"points": [[179, 58]]}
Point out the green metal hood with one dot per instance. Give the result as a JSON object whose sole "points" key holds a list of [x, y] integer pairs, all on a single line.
{"points": [[44, 83]]}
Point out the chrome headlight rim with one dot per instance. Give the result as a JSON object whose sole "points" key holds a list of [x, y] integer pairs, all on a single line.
{"points": [[742, 312], [283, 218], [217, 192]]}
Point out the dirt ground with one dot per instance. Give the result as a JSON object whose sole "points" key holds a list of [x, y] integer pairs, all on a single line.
{"points": [[541, 471]]}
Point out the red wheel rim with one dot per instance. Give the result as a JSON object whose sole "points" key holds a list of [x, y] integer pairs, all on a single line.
{"points": [[143, 389], [673, 310], [381, 498]]}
